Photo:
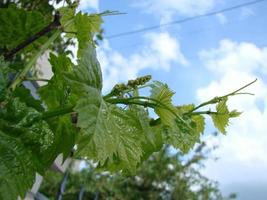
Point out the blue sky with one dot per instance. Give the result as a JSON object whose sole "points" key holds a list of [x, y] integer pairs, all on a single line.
{"points": [[199, 59]]}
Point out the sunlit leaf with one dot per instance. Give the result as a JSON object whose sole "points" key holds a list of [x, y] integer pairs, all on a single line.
{"points": [[163, 94]]}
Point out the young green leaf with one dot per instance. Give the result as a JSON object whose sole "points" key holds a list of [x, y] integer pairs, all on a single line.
{"points": [[181, 137], [166, 110], [185, 108], [151, 137], [221, 119], [81, 26], [234, 113], [185, 135], [87, 74], [87, 26], [199, 126], [66, 20], [57, 92], [197, 121]]}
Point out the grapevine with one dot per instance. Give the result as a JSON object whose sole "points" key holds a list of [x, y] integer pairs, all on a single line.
{"points": [[73, 111]]}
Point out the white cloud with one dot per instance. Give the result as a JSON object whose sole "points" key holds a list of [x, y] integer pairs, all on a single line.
{"points": [[166, 9], [159, 52], [243, 151], [84, 5], [233, 56]]}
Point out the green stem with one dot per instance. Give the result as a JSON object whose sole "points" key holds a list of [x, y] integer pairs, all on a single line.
{"points": [[146, 104], [29, 65], [217, 99], [70, 32], [236, 91], [35, 79], [139, 87], [212, 101], [53, 25], [58, 112], [158, 103], [109, 95], [203, 113], [129, 102]]}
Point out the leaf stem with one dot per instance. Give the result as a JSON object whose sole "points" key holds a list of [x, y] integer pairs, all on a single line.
{"points": [[208, 112], [35, 79], [245, 86], [29, 65], [128, 101], [158, 103], [70, 32], [57, 112], [147, 102], [139, 87], [53, 25], [109, 95], [217, 99]]}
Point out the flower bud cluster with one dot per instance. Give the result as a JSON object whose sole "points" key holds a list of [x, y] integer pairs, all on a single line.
{"points": [[138, 81], [118, 89]]}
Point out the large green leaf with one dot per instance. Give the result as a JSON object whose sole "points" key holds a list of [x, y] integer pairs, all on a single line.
{"points": [[196, 122], [18, 166], [65, 135], [108, 136], [67, 17], [87, 26], [25, 96], [24, 122], [4, 73], [179, 138], [17, 25], [81, 26], [26, 142], [184, 135], [111, 135], [151, 139], [178, 130], [87, 74], [57, 92]]}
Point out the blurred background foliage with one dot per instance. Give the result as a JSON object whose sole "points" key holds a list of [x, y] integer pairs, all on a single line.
{"points": [[165, 175]]}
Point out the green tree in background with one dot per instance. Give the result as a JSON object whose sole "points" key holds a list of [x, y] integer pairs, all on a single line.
{"points": [[165, 175]]}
